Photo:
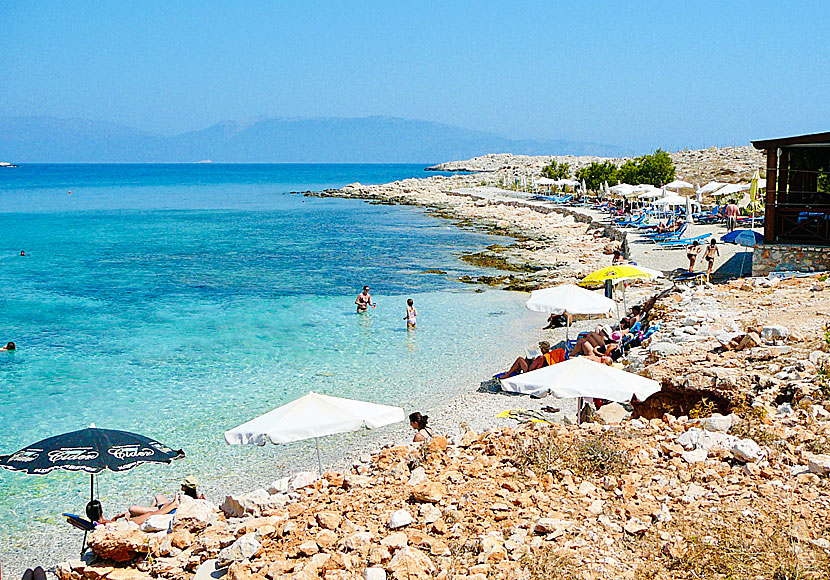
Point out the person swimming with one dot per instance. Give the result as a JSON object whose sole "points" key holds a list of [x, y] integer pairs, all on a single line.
{"points": [[411, 315], [364, 300], [9, 346]]}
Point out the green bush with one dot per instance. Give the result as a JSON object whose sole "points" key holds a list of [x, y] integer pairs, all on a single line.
{"points": [[656, 169], [596, 174], [556, 170]]}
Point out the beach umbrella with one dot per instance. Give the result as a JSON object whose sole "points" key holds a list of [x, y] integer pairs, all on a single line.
{"points": [[580, 377], [584, 187], [569, 298], [689, 212], [743, 237], [679, 184], [754, 186], [618, 273], [90, 450], [711, 187], [310, 417]]}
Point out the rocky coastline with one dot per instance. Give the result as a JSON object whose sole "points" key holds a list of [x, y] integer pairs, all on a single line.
{"points": [[691, 484]]}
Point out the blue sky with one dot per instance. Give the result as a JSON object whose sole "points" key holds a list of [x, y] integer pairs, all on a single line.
{"points": [[636, 74]]}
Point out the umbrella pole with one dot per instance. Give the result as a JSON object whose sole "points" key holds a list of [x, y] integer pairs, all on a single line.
{"points": [[319, 462], [91, 486]]}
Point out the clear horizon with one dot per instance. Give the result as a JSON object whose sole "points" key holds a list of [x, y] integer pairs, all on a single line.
{"points": [[643, 77]]}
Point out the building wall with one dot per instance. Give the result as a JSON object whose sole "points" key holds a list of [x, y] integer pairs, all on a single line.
{"points": [[782, 258]]}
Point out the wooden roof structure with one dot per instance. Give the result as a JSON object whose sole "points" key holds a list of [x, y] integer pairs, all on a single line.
{"points": [[797, 203]]}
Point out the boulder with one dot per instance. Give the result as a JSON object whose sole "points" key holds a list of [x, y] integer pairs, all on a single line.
{"points": [[308, 548], [400, 519], [771, 333], [329, 520], [749, 340], [429, 513], [195, 514], [636, 526], [119, 541], [410, 564], [695, 455], [551, 525], [819, 464], [748, 451], [417, 476], [301, 480], [429, 492], [326, 538], [717, 422], [613, 413], [437, 444], [253, 503], [243, 548], [358, 541], [696, 438], [374, 574], [157, 523], [394, 541], [665, 348], [208, 570]]}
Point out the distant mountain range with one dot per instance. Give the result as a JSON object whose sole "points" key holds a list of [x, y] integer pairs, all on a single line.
{"points": [[318, 140]]}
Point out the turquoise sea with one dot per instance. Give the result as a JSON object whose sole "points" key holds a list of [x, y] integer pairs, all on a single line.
{"points": [[179, 301]]}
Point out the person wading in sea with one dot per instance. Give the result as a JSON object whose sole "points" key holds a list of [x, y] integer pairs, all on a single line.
{"points": [[364, 300]]}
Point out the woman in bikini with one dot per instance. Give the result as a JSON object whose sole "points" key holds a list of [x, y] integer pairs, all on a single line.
{"points": [[709, 256], [364, 300], [411, 315], [691, 253], [419, 423]]}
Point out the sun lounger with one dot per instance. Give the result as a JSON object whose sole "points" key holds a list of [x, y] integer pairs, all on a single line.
{"points": [[671, 244], [79, 522], [668, 236]]}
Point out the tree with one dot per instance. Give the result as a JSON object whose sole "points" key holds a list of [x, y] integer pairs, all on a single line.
{"points": [[596, 174], [656, 169], [556, 170]]}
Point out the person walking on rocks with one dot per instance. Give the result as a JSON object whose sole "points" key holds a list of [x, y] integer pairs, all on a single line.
{"points": [[709, 256], [691, 253]]}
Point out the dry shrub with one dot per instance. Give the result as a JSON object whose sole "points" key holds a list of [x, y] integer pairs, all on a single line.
{"points": [[733, 550], [544, 453], [546, 563], [703, 408]]}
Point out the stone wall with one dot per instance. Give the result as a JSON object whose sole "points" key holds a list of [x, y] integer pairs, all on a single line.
{"points": [[783, 258]]}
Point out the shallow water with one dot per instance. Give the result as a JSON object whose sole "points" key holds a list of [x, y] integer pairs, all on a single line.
{"points": [[181, 301]]}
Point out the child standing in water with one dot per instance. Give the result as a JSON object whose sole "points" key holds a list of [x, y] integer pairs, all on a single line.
{"points": [[411, 315]]}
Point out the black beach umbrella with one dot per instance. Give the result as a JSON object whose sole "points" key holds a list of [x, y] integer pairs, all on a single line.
{"points": [[91, 450]]}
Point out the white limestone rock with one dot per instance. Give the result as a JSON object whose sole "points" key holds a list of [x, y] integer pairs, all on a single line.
{"points": [[157, 523], [243, 548], [748, 451], [400, 519]]}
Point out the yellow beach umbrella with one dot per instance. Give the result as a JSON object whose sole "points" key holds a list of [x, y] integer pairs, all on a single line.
{"points": [[617, 273], [754, 202]]}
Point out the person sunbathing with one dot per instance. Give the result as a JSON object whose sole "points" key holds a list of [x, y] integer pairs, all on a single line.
{"points": [[161, 505], [523, 364], [593, 344], [602, 359]]}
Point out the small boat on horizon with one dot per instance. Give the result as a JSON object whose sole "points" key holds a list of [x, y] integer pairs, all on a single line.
{"points": [[7, 164]]}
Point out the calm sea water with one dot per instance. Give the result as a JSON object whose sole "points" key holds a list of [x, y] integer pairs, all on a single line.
{"points": [[179, 301]]}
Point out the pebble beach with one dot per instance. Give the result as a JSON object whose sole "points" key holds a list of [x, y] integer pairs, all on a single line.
{"points": [[552, 245]]}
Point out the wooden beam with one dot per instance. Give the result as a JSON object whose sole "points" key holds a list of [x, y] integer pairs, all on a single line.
{"points": [[769, 203]]}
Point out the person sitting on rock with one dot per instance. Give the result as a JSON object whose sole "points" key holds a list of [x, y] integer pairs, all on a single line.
{"points": [[559, 320]]}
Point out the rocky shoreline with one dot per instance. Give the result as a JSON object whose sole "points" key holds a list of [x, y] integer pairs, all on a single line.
{"points": [[690, 486]]}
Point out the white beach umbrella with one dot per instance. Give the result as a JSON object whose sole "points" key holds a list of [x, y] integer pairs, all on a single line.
{"points": [[711, 187], [674, 200], [622, 189], [731, 188], [311, 417], [650, 194], [580, 377], [679, 184], [570, 298], [645, 187], [689, 219]]}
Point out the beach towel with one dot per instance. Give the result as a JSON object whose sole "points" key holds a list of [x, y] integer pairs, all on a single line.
{"points": [[523, 415], [556, 355]]}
